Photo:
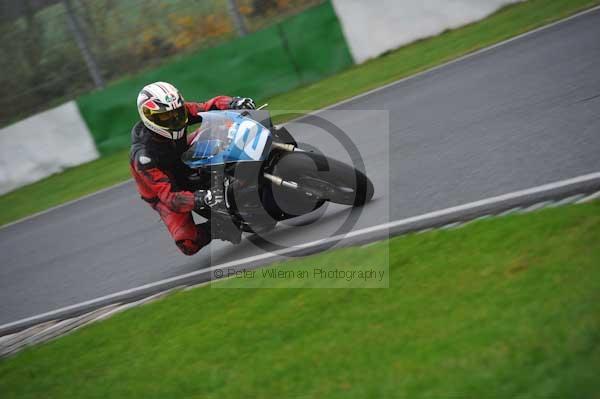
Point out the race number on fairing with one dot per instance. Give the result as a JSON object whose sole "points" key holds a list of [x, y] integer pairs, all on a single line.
{"points": [[250, 139]]}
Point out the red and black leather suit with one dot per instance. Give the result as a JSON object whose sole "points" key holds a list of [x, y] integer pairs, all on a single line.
{"points": [[162, 179]]}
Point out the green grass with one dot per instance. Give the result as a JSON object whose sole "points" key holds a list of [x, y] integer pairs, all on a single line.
{"points": [[502, 308], [403, 62]]}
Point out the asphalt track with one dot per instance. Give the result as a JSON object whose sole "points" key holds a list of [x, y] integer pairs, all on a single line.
{"points": [[519, 115]]}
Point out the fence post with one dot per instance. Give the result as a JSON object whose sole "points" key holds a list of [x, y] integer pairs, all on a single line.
{"points": [[86, 53], [238, 19]]}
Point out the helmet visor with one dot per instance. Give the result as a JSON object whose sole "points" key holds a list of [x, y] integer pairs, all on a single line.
{"points": [[172, 120]]}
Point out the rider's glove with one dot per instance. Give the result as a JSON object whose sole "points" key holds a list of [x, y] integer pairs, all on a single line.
{"points": [[205, 198], [242, 103]]}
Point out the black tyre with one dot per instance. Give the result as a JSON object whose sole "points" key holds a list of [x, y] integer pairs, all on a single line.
{"points": [[328, 179]]}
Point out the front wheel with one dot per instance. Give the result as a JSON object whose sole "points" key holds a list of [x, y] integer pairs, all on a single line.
{"points": [[325, 178]]}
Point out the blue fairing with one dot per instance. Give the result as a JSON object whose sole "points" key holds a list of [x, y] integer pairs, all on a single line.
{"points": [[227, 137]]}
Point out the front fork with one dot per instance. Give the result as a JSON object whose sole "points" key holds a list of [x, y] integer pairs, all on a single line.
{"points": [[278, 181]]}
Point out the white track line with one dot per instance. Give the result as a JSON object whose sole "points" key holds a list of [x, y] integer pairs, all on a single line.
{"points": [[397, 82], [381, 227]]}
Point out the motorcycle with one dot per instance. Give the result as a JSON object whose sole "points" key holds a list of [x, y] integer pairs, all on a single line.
{"points": [[261, 176]]}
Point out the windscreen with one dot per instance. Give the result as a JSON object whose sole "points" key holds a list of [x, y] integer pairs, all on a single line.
{"points": [[226, 136]]}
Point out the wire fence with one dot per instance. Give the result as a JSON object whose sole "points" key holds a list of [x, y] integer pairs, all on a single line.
{"points": [[55, 50]]}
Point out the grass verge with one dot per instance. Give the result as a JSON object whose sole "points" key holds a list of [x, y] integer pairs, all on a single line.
{"points": [[408, 60], [507, 307]]}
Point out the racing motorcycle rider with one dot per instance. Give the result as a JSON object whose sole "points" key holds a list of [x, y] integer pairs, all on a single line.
{"points": [[162, 179]]}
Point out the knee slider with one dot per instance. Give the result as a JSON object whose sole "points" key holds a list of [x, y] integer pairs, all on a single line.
{"points": [[188, 247]]}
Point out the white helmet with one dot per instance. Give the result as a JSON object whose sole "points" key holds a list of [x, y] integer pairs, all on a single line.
{"points": [[161, 108]]}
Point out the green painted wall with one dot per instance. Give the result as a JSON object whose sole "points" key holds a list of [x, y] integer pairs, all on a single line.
{"points": [[257, 66]]}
